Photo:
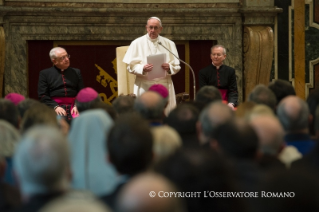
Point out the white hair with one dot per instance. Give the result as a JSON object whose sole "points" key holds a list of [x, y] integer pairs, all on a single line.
{"points": [[41, 161], [160, 22], [52, 53]]}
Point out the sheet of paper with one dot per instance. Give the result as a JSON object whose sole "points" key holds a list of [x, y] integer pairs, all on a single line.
{"points": [[157, 60]]}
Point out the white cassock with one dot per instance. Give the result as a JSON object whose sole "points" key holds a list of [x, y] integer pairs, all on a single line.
{"points": [[136, 58]]}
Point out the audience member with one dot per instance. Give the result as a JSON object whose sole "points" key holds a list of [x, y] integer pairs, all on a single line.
{"points": [[208, 94], [106, 107], [261, 94], [151, 106], [9, 137], [41, 164], [294, 116], [281, 89], [161, 90], [9, 196], [212, 116], [135, 195], [201, 170], [87, 140], [76, 201], [85, 98], [123, 104], [183, 119], [130, 150], [166, 142], [244, 109], [15, 98], [38, 114], [24, 105], [9, 112]]}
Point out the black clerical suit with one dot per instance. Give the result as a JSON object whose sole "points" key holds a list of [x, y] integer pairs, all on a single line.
{"points": [[56, 83], [224, 79]]}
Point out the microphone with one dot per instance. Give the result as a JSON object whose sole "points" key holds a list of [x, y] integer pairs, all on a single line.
{"points": [[194, 81]]}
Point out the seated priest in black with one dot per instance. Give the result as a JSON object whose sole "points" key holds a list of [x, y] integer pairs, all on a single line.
{"points": [[59, 84], [221, 76]]}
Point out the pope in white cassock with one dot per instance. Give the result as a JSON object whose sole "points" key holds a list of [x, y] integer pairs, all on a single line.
{"points": [[136, 58]]}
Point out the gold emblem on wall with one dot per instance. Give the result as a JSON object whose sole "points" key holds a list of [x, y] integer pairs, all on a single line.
{"points": [[107, 80]]}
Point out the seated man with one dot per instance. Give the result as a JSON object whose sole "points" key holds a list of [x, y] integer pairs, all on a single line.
{"points": [[59, 84], [221, 76]]}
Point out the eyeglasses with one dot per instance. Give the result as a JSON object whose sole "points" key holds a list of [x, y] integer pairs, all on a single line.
{"points": [[64, 57], [152, 27]]}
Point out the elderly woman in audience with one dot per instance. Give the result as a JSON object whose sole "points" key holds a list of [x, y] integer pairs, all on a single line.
{"points": [[87, 139]]}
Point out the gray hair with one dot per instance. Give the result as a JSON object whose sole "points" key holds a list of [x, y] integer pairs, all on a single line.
{"points": [[296, 120], [41, 161], [52, 53], [160, 22], [218, 46]]}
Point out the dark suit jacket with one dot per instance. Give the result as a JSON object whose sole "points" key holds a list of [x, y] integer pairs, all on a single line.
{"points": [[224, 78]]}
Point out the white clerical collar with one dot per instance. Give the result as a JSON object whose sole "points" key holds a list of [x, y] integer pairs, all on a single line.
{"points": [[217, 67], [153, 40]]}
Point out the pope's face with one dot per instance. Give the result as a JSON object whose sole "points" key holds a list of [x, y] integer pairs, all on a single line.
{"points": [[153, 28], [217, 55], [62, 60]]}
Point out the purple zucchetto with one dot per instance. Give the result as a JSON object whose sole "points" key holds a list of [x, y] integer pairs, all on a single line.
{"points": [[86, 95], [161, 89], [15, 98]]}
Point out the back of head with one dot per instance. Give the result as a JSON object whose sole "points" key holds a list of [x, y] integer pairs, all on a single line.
{"points": [[183, 119], [87, 139], [260, 110], [130, 144], [281, 89], [198, 169], [41, 161], [166, 141], [208, 94], [85, 98], [135, 196], [123, 104], [293, 114], [76, 201], [237, 139], [261, 94], [24, 105], [150, 105], [214, 115], [109, 109], [9, 112], [38, 114], [9, 137], [270, 133], [243, 110]]}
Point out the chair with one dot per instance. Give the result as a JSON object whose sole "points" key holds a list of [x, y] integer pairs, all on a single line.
{"points": [[125, 80]]}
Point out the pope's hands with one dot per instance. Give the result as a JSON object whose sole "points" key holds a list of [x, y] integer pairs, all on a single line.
{"points": [[148, 68]]}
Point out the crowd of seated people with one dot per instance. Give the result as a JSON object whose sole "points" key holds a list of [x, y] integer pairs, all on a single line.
{"points": [[132, 156]]}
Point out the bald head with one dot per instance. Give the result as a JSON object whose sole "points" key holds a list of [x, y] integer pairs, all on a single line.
{"points": [[270, 133], [150, 105], [293, 114], [135, 196]]}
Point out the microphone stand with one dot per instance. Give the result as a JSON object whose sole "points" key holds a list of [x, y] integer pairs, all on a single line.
{"points": [[194, 80]]}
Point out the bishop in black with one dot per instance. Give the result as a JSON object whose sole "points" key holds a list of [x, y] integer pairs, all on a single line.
{"points": [[221, 76], [59, 85]]}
